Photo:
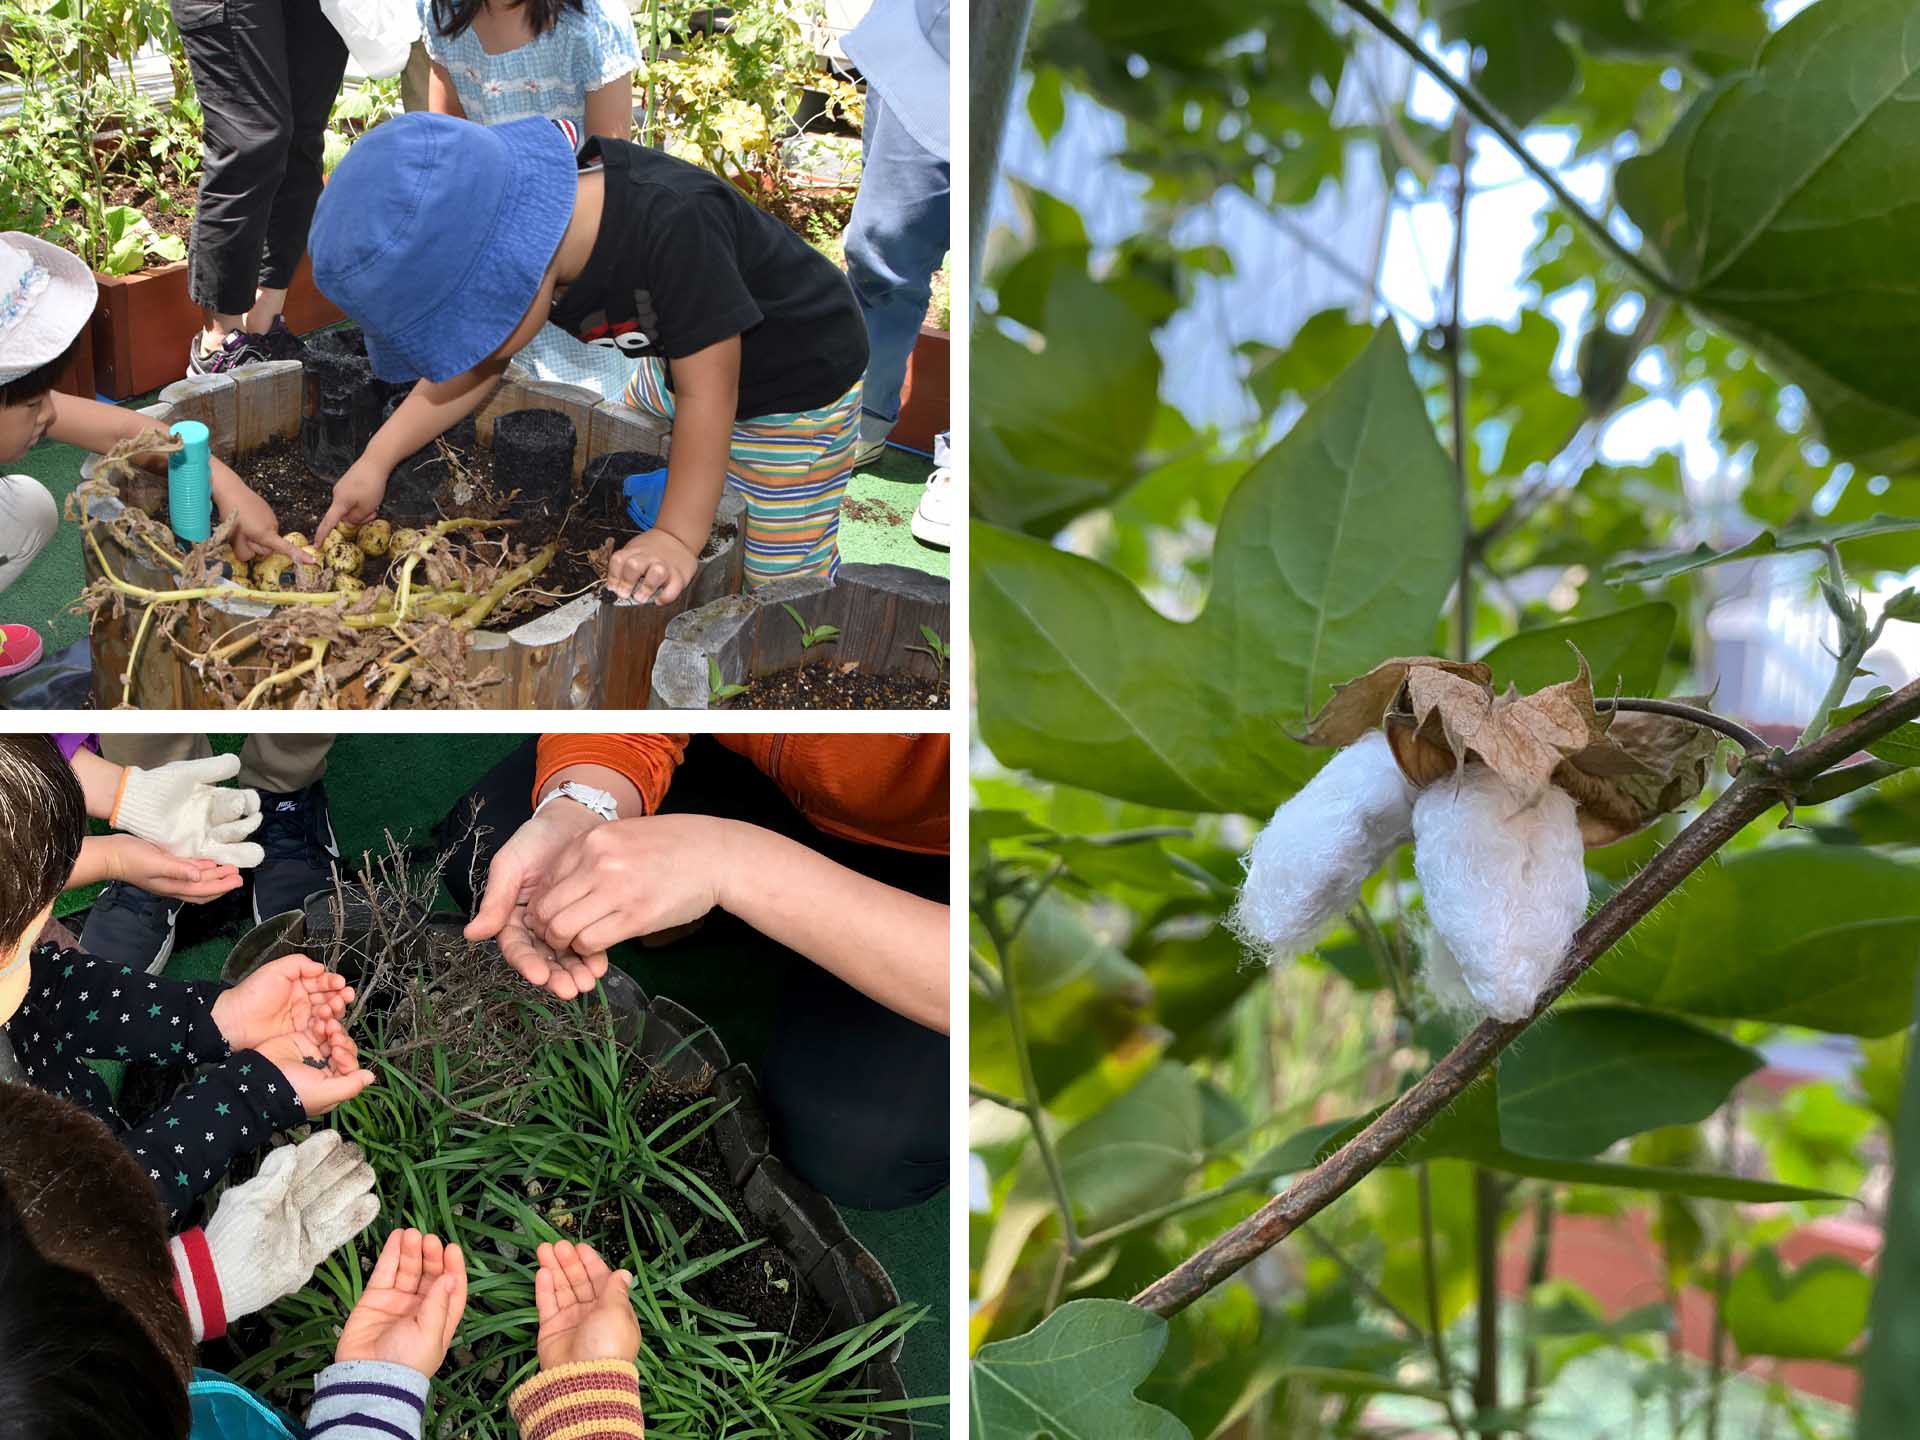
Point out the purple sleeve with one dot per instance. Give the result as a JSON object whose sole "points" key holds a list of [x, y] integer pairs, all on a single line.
{"points": [[71, 745]]}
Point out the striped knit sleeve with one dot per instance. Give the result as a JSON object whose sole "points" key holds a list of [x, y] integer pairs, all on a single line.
{"points": [[368, 1400], [591, 1400]]}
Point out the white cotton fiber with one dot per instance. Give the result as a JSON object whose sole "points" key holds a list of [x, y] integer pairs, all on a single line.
{"points": [[1307, 866], [1505, 883]]}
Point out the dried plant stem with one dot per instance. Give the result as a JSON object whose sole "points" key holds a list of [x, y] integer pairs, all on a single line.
{"points": [[133, 658], [317, 653]]}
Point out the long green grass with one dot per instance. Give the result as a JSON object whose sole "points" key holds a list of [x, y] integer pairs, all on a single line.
{"points": [[528, 1132]]}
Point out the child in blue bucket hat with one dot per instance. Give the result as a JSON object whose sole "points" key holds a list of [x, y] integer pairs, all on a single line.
{"points": [[451, 244]]}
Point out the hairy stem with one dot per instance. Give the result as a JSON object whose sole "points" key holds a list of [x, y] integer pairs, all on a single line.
{"points": [[1680, 710], [1430, 1282], [1763, 783], [1478, 106]]}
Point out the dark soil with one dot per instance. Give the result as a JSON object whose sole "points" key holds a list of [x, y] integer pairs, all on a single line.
{"points": [[299, 498], [169, 209], [876, 512], [762, 1284], [824, 685]]}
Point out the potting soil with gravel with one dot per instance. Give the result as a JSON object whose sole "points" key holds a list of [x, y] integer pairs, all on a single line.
{"points": [[826, 685]]}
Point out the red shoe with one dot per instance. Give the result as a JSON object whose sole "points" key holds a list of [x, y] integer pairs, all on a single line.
{"points": [[20, 649]]}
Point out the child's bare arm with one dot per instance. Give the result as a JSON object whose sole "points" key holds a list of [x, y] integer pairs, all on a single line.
{"points": [[442, 98], [610, 109], [433, 407], [706, 393], [96, 427]]}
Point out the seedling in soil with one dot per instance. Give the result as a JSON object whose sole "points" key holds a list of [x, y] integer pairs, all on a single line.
{"points": [[935, 646], [811, 635], [717, 689]]}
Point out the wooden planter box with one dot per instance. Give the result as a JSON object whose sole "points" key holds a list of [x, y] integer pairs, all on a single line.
{"points": [[77, 378], [926, 402], [807, 1227], [879, 610], [589, 653], [142, 325]]}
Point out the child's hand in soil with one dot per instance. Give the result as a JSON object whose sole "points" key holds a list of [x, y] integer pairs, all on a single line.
{"points": [[524, 866], [323, 1073], [256, 530], [652, 565], [290, 995], [356, 496], [585, 1312], [142, 863], [411, 1306], [631, 878]]}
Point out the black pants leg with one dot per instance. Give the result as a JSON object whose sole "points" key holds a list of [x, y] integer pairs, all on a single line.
{"points": [[856, 1094], [256, 63]]}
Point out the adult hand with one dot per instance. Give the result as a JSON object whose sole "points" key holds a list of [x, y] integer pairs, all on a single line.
{"points": [[629, 878], [524, 867], [142, 863], [356, 496], [183, 807], [256, 530], [293, 994], [585, 1312], [653, 565], [411, 1306], [320, 1088]]}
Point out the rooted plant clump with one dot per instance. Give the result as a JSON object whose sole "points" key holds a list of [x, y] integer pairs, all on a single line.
{"points": [[503, 1118]]}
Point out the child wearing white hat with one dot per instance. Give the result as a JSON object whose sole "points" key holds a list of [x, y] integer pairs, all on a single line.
{"points": [[46, 300]]}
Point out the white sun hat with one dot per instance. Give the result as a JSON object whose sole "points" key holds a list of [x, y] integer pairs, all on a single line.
{"points": [[46, 298]]}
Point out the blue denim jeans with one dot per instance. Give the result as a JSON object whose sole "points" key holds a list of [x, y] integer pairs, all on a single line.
{"points": [[895, 243]]}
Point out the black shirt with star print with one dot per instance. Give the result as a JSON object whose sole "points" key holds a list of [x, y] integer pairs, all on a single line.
{"points": [[80, 1008]]}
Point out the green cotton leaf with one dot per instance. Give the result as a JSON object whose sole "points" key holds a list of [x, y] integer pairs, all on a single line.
{"points": [[1890, 1376], [1624, 652], [1139, 1151], [1334, 551], [1583, 1077], [1814, 1313], [1775, 207], [1767, 542], [1529, 67], [1326, 343], [1059, 428], [1818, 935], [1072, 1377]]}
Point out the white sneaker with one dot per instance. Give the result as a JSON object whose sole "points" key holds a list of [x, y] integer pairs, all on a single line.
{"points": [[865, 452], [933, 520]]}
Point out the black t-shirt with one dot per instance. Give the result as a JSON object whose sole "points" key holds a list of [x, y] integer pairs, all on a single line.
{"points": [[686, 260]]}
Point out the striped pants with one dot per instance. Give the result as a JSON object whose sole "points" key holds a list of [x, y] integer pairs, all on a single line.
{"points": [[790, 469]]}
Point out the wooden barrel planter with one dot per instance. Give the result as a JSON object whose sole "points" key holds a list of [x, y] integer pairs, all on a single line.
{"points": [[878, 609], [591, 652], [807, 1227]]}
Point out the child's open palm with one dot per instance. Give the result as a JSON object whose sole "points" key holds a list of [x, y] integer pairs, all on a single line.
{"points": [[323, 1072], [292, 995], [585, 1313], [411, 1306]]}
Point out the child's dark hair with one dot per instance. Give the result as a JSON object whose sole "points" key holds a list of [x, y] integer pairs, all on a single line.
{"points": [[454, 17], [43, 819], [37, 382], [93, 1341]]}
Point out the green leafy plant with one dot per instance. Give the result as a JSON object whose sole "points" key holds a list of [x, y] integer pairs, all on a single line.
{"points": [[935, 646], [811, 635], [718, 689], [1226, 1200]]}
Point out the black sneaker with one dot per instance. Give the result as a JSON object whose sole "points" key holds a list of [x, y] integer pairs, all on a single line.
{"points": [[236, 350], [296, 831], [280, 343], [131, 926]]}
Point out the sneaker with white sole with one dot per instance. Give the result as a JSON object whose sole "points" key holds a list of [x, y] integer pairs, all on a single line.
{"points": [[868, 452], [20, 649], [933, 519], [296, 831], [131, 926]]}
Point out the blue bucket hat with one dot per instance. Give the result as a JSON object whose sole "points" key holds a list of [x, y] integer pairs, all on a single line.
{"points": [[434, 234]]}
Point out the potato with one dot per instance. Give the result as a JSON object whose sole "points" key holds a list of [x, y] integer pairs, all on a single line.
{"points": [[274, 572], [297, 540], [235, 567], [343, 556], [345, 530], [348, 584], [375, 536], [404, 543]]}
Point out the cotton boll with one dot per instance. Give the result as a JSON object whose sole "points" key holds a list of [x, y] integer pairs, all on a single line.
{"points": [[1442, 982], [1307, 866], [1505, 883]]}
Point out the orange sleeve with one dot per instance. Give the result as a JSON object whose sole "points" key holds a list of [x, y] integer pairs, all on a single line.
{"points": [[647, 760]]}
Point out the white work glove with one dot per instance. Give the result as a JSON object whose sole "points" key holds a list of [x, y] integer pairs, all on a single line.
{"points": [[182, 808], [266, 1236]]}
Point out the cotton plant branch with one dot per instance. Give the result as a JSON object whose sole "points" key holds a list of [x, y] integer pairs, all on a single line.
{"points": [[1482, 109], [1764, 781]]}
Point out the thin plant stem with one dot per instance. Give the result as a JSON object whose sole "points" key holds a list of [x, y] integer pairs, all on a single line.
{"points": [[1540, 1255], [1763, 782], [1430, 1282], [1488, 1206], [1846, 780], [1360, 1281], [1461, 150], [1856, 639], [1478, 106], [1680, 710], [981, 1092]]}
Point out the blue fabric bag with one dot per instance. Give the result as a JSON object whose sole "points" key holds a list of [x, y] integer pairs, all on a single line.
{"points": [[223, 1410]]}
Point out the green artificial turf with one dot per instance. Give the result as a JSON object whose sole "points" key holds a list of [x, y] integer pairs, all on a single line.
{"points": [[877, 530], [405, 784]]}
